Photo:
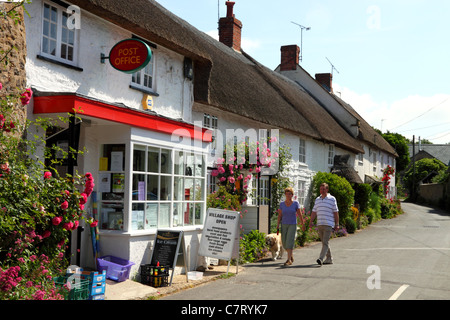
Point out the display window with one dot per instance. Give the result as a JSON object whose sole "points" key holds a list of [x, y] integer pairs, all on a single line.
{"points": [[168, 188]]}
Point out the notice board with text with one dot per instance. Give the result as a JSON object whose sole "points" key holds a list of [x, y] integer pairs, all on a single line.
{"points": [[220, 237]]}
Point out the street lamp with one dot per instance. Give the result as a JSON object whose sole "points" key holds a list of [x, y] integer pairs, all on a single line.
{"points": [[301, 38]]}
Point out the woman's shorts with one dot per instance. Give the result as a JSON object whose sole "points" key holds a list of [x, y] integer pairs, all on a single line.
{"points": [[288, 234]]}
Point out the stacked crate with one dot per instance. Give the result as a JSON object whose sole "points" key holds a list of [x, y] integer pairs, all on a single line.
{"points": [[97, 284], [78, 288]]}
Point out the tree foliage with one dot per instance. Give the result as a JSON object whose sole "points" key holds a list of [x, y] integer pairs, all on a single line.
{"points": [[423, 168], [400, 144]]}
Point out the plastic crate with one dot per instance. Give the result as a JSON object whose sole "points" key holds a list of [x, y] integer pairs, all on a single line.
{"points": [[97, 297], [97, 284], [158, 281], [94, 276], [79, 288], [117, 269], [195, 275], [154, 275]]}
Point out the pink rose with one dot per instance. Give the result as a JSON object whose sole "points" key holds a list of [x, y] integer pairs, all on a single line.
{"points": [[215, 173], [75, 225], [64, 205], [94, 224], [83, 198], [56, 220], [231, 179], [68, 226], [47, 175], [46, 234], [26, 96]]}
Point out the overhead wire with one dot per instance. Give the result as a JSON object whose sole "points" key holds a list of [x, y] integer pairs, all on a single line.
{"points": [[421, 114]]}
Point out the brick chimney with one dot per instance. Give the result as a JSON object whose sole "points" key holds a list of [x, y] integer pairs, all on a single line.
{"points": [[230, 29], [289, 57], [325, 80]]}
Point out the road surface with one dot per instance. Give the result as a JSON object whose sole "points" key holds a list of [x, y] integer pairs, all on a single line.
{"points": [[407, 257]]}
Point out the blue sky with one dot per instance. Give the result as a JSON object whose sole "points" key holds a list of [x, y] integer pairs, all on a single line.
{"points": [[393, 57]]}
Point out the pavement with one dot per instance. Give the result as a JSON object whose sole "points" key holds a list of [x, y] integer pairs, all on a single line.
{"points": [[133, 290]]}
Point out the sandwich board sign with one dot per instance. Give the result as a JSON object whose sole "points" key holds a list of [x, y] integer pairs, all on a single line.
{"points": [[169, 245], [220, 236]]}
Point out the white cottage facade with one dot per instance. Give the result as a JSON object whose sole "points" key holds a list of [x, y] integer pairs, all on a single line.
{"points": [[148, 161]]}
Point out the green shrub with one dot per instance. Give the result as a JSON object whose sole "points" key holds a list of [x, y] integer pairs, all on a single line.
{"points": [[309, 235], [375, 206], [252, 247], [370, 214], [222, 199], [350, 225], [362, 194], [390, 208]]}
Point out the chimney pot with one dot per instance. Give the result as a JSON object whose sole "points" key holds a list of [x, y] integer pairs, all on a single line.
{"points": [[230, 5], [230, 29]]}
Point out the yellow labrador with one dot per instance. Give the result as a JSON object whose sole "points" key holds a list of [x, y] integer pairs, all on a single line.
{"points": [[275, 246]]}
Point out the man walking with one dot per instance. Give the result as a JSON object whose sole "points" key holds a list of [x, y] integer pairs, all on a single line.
{"points": [[327, 213]]}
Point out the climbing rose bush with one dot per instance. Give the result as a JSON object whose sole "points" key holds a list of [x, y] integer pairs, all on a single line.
{"points": [[234, 174], [38, 209]]}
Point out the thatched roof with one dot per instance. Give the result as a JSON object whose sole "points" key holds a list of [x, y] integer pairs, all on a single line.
{"points": [[366, 132], [224, 78]]}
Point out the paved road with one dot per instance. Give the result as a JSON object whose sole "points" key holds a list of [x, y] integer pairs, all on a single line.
{"points": [[407, 257]]}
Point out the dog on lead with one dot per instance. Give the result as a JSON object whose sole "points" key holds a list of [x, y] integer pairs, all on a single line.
{"points": [[273, 240]]}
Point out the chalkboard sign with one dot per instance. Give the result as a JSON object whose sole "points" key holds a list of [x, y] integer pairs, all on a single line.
{"points": [[169, 244]]}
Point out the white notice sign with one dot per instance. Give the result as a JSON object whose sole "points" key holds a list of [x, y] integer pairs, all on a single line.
{"points": [[220, 233]]}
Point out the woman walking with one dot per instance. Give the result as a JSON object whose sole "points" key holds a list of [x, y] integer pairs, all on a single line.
{"points": [[287, 215]]}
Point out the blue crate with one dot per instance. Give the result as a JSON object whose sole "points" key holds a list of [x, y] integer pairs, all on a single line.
{"points": [[97, 281], [97, 297]]}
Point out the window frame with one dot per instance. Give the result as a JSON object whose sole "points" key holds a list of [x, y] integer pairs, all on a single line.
{"points": [[331, 154], [302, 150], [197, 207], [60, 12], [301, 192], [142, 74]]}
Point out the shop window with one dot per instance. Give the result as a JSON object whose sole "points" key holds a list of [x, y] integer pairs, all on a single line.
{"points": [[111, 186], [168, 188], [59, 37]]}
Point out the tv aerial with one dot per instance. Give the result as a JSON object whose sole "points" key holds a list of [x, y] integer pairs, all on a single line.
{"points": [[332, 67], [301, 38]]}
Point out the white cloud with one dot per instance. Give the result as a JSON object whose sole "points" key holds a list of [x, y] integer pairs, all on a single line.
{"points": [[427, 117]]}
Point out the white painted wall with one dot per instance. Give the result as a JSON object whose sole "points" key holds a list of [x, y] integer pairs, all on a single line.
{"points": [[102, 81]]}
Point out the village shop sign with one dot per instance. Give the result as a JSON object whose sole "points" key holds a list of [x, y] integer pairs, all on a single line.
{"points": [[129, 55]]}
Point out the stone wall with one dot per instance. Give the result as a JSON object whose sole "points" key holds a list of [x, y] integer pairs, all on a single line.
{"points": [[13, 54]]}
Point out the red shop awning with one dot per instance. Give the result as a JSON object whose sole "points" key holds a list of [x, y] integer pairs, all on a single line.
{"points": [[69, 103]]}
